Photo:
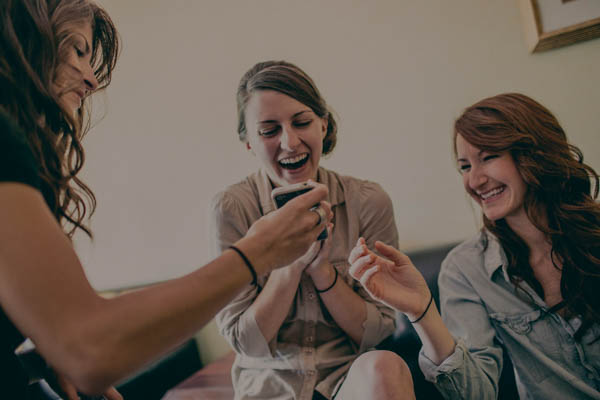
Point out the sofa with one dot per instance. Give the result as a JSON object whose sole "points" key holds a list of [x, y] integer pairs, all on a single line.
{"points": [[214, 382]]}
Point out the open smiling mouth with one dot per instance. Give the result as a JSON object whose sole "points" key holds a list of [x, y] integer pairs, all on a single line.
{"points": [[294, 162], [492, 193]]}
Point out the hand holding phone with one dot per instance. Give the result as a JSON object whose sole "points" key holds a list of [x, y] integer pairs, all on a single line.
{"points": [[282, 195]]}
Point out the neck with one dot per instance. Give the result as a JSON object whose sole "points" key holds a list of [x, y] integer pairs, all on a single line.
{"points": [[535, 239]]}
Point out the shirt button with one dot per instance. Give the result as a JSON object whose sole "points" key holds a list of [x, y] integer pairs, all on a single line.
{"points": [[308, 350], [309, 339], [311, 295]]}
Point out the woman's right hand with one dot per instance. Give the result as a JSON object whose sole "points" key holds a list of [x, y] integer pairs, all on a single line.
{"points": [[393, 280], [279, 238]]}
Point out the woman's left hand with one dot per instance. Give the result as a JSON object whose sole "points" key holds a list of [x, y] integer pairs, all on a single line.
{"points": [[71, 391]]}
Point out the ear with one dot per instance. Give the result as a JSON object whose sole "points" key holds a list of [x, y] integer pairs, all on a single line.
{"points": [[324, 124]]}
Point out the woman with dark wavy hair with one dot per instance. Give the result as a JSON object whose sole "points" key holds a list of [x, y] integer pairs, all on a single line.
{"points": [[53, 55], [527, 284]]}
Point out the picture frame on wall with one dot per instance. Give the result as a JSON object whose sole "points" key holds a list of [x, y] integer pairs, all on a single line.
{"points": [[549, 24]]}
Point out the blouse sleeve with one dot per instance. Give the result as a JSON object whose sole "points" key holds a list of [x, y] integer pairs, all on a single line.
{"points": [[229, 222], [376, 223]]}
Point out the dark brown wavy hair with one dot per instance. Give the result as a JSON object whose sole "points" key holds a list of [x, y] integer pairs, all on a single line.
{"points": [[290, 80], [35, 38], [560, 197]]}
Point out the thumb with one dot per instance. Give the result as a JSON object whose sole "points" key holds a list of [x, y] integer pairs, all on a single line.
{"points": [[392, 253]]}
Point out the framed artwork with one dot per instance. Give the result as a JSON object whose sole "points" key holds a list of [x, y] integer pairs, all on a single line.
{"points": [[549, 24]]}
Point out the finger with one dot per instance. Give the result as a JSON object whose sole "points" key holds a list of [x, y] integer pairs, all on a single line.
{"points": [[358, 268], [67, 387], [366, 279], [326, 206], [327, 245], [392, 253], [113, 394], [358, 251]]}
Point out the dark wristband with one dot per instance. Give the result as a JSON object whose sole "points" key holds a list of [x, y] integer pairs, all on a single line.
{"points": [[332, 285], [424, 312], [248, 264]]}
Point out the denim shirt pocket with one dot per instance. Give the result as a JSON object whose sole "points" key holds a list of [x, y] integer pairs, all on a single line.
{"points": [[533, 333]]}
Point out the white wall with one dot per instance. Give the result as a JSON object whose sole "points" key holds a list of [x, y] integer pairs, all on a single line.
{"points": [[396, 72]]}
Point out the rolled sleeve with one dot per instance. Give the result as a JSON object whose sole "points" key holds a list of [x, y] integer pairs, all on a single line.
{"points": [[473, 370], [378, 325], [239, 328]]}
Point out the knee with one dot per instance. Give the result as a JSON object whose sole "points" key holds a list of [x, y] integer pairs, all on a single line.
{"points": [[383, 370]]}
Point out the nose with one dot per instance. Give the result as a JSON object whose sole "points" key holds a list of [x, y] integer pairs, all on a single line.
{"points": [[89, 78], [477, 177], [289, 139]]}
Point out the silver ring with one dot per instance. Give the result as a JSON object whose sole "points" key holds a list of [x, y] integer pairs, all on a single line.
{"points": [[320, 212]]}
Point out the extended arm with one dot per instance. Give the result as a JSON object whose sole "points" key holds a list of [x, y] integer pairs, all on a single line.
{"points": [[93, 341], [395, 281]]}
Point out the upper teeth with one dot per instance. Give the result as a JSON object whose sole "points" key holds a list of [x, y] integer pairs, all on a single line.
{"points": [[491, 193], [293, 160]]}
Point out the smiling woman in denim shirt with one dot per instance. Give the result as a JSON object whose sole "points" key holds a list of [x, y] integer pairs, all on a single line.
{"points": [[527, 283]]}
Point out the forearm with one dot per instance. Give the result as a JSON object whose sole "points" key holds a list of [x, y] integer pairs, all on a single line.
{"points": [[112, 338], [347, 308], [437, 341], [273, 303]]}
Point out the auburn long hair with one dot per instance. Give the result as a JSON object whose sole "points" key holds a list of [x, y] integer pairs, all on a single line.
{"points": [[560, 197], [35, 38]]}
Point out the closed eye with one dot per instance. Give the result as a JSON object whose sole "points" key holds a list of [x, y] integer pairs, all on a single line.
{"points": [[268, 132], [302, 123], [490, 157], [464, 167]]}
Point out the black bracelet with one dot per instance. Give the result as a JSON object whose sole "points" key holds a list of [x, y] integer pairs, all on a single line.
{"points": [[248, 264], [424, 312], [332, 285]]}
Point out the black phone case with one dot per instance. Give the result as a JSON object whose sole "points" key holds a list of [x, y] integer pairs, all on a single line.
{"points": [[283, 198]]}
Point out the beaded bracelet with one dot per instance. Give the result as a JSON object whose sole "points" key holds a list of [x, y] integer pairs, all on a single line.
{"points": [[248, 264], [332, 285], [424, 312]]}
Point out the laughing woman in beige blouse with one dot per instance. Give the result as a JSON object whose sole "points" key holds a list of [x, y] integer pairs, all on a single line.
{"points": [[298, 332]]}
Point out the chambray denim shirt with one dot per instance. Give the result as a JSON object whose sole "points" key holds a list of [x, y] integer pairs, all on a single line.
{"points": [[487, 315]]}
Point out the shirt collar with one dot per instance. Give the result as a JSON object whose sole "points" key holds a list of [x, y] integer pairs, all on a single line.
{"points": [[328, 178], [493, 256]]}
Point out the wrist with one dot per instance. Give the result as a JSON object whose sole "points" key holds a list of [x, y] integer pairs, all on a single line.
{"points": [[322, 275], [422, 313], [256, 254]]}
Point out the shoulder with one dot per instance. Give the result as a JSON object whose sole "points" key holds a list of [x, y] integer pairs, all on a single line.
{"points": [[233, 196], [365, 191], [466, 258], [237, 201]]}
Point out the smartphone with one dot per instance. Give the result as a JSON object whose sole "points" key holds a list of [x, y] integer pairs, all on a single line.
{"points": [[282, 195]]}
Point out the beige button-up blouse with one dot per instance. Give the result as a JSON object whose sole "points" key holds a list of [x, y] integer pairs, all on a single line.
{"points": [[310, 352]]}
